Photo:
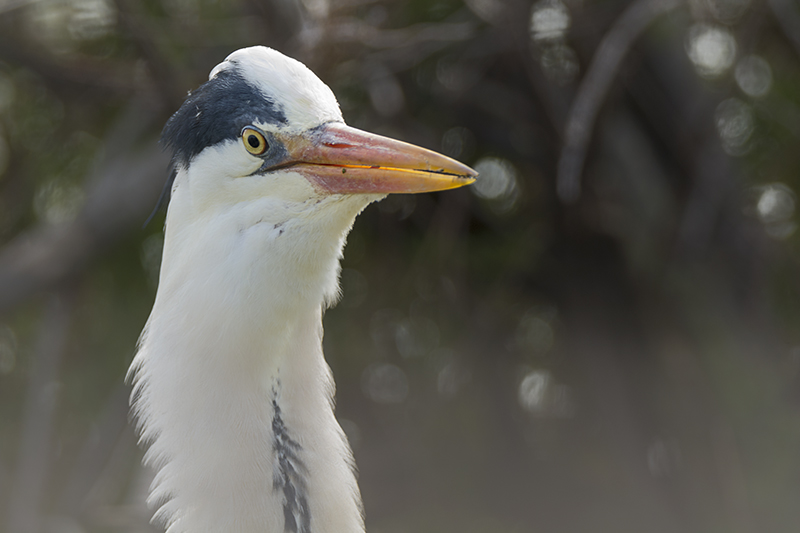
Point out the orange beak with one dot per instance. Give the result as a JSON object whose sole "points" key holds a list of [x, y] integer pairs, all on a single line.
{"points": [[338, 159]]}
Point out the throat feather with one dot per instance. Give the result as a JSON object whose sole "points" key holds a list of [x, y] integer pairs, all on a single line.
{"points": [[289, 475]]}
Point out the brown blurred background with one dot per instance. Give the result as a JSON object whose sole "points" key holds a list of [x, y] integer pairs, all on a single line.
{"points": [[602, 334]]}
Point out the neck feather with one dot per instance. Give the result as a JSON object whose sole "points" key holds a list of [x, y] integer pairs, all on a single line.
{"points": [[232, 394]]}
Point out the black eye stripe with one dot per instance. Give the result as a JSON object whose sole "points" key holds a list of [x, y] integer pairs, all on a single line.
{"points": [[215, 112]]}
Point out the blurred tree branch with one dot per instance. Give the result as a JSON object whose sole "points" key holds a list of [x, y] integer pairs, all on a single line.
{"points": [[84, 75], [123, 188], [41, 403], [352, 30], [595, 86], [96, 452], [161, 72], [788, 18]]}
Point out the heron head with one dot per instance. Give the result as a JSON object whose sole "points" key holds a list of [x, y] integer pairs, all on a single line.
{"points": [[265, 128]]}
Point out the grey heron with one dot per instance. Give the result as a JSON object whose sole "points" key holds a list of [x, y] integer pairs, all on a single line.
{"points": [[231, 392]]}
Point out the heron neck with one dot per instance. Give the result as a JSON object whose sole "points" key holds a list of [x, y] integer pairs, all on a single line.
{"points": [[233, 394]]}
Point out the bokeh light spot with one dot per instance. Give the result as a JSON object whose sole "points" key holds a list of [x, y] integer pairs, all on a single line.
{"points": [[318, 9], [711, 49], [497, 181], [776, 203], [458, 142], [540, 395], [560, 63], [775, 209], [384, 383], [532, 392], [61, 25], [549, 20], [56, 202], [735, 125], [92, 19], [452, 377], [416, 337], [754, 76]]}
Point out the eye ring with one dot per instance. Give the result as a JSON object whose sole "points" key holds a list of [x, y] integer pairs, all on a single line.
{"points": [[254, 141]]}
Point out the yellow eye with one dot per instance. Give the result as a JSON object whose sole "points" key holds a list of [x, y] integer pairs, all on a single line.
{"points": [[254, 141]]}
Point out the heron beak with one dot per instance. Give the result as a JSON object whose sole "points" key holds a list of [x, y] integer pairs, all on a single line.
{"points": [[338, 159]]}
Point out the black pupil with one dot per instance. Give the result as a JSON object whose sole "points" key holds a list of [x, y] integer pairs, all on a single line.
{"points": [[253, 141]]}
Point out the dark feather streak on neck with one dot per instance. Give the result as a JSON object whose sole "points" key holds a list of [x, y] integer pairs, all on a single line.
{"points": [[290, 474]]}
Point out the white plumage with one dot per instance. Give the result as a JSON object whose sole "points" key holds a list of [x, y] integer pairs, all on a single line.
{"points": [[232, 394]]}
